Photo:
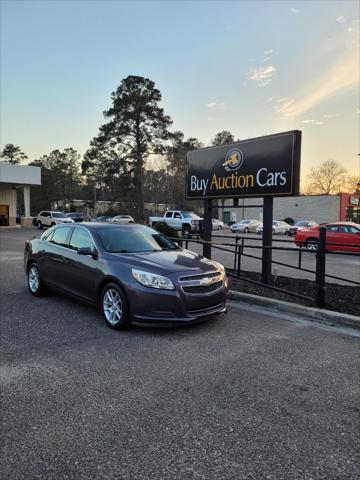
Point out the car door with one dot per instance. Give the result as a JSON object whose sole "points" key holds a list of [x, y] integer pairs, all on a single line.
{"points": [[332, 237], [54, 257], [349, 236], [82, 273]]}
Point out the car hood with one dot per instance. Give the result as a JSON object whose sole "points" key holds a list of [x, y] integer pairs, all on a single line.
{"points": [[168, 261]]}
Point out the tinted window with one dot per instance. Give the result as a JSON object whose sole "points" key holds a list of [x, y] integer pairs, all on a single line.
{"points": [[136, 240], [59, 236], [332, 228], [348, 229], [177, 215], [81, 238], [168, 215], [58, 215]]}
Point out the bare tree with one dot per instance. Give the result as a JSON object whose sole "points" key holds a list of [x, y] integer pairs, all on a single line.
{"points": [[353, 183], [329, 178]]}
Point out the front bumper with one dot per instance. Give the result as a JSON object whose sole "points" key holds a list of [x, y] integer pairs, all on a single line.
{"points": [[149, 305]]}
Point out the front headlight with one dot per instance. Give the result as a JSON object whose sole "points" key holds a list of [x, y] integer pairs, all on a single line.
{"points": [[220, 267], [152, 280]]}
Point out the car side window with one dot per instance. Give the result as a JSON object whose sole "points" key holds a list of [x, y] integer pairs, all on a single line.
{"points": [[81, 238], [168, 215], [177, 215], [332, 228], [59, 236]]}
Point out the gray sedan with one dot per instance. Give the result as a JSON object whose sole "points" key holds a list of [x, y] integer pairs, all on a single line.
{"points": [[132, 272]]}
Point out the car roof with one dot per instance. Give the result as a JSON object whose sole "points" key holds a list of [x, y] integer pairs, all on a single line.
{"points": [[102, 225]]}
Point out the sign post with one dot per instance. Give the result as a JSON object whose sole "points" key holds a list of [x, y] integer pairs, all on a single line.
{"points": [[259, 167]]}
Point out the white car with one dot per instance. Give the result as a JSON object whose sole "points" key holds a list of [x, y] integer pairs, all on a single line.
{"points": [[278, 227], [47, 218], [123, 219], [217, 224], [245, 226]]}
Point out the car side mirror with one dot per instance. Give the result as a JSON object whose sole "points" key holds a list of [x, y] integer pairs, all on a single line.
{"points": [[87, 251]]}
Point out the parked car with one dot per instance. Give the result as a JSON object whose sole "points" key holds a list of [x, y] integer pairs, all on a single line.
{"points": [[187, 222], [123, 219], [102, 218], [78, 216], [132, 272], [344, 235], [48, 219], [217, 224], [245, 226], [278, 227], [300, 225]]}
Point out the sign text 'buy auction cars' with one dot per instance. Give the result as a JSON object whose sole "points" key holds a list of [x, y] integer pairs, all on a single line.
{"points": [[258, 167]]}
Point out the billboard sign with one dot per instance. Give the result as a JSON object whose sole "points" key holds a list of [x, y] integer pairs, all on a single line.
{"points": [[258, 167]]}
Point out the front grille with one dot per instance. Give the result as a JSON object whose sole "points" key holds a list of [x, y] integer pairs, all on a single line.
{"points": [[199, 276], [198, 289]]}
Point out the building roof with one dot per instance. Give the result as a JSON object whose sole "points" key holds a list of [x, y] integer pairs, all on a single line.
{"points": [[19, 174]]}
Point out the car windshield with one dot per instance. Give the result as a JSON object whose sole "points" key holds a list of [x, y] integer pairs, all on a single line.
{"points": [[58, 215], [189, 215], [136, 240], [301, 224]]}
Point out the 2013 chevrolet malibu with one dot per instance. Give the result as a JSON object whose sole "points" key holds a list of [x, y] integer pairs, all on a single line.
{"points": [[132, 272]]}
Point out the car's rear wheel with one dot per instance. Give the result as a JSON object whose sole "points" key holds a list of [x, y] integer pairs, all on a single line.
{"points": [[246, 230], [40, 225], [312, 244], [186, 232], [35, 284], [114, 307]]}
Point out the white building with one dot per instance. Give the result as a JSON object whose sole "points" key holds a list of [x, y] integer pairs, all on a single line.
{"points": [[13, 177]]}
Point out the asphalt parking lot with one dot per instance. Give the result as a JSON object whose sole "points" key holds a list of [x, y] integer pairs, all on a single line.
{"points": [[251, 395]]}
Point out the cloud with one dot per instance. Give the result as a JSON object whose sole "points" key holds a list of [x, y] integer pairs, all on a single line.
{"points": [[310, 120], [340, 19], [331, 115], [268, 52], [319, 123], [286, 105], [269, 100], [214, 104], [263, 75], [215, 119], [293, 10], [342, 75]]}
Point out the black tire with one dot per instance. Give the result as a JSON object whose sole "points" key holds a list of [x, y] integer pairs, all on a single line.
{"points": [[113, 293], [52, 224], [312, 244], [290, 234], [35, 284], [186, 232], [246, 230], [40, 225]]}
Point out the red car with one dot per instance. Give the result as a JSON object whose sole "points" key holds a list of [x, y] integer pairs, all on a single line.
{"points": [[336, 233]]}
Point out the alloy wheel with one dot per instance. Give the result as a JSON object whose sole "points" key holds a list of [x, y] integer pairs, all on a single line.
{"points": [[34, 279], [112, 306]]}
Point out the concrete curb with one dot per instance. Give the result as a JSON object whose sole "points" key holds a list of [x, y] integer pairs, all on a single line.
{"points": [[308, 313]]}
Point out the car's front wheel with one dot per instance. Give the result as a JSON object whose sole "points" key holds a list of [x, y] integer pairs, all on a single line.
{"points": [[246, 230], [114, 307], [40, 225], [35, 284]]}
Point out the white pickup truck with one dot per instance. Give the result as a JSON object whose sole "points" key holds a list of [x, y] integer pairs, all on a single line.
{"points": [[187, 222]]}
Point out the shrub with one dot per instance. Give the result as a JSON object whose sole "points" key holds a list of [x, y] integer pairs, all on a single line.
{"points": [[165, 229]]}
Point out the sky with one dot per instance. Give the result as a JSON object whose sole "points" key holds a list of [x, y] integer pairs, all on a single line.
{"points": [[253, 68]]}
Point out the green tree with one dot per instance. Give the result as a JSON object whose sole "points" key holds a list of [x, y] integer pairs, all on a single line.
{"points": [[223, 137], [176, 169], [60, 178], [137, 128], [12, 154]]}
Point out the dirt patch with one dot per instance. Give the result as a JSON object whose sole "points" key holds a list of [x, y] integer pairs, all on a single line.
{"points": [[341, 298]]}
